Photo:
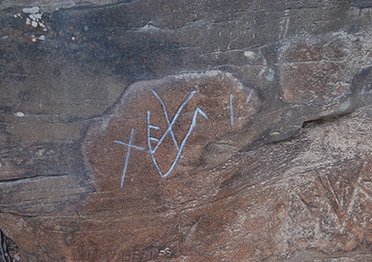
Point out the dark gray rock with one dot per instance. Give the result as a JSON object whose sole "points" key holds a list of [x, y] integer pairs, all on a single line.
{"points": [[288, 179]]}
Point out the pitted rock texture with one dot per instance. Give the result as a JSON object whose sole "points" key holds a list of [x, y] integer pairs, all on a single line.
{"points": [[276, 167]]}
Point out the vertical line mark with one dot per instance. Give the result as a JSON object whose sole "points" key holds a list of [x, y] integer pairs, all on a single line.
{"points": [[151, 151], [250, 96], [231, 111], [127, 158]]}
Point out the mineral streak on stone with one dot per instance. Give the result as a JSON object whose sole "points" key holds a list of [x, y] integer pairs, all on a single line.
{"points": [[269, 157]]}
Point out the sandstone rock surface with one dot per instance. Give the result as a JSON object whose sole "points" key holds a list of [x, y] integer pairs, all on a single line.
{"points": [[186, 130]]}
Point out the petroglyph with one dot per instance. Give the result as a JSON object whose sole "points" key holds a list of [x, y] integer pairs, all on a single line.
{"points": [[168, 133]]}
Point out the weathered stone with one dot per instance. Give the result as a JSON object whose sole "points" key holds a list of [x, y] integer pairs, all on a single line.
{"points": [[318, 81], [268, 160]]}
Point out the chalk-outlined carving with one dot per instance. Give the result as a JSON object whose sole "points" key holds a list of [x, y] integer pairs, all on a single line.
{"points": [[169, 131], [129, 146], [151, 140]]}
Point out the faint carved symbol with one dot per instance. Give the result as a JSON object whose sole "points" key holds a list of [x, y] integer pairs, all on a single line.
{"points": [[169, 131]]}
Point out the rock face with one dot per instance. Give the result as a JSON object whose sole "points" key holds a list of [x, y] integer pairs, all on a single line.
{"points": [[186, 130]]}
